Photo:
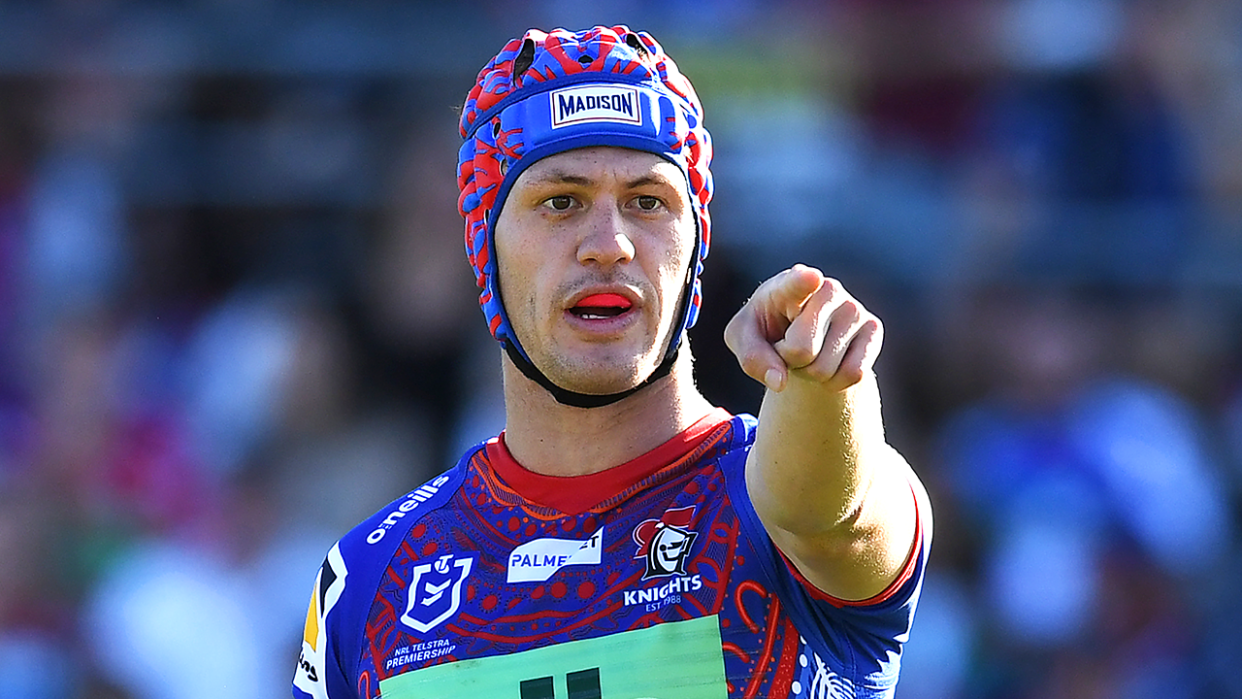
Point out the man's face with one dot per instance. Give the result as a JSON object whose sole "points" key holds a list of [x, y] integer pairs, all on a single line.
{"points": [[592, 248]]}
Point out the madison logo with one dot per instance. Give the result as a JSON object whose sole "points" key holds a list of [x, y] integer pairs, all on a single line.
{"points": [[665, 542], [435, 592], [585, 103]]}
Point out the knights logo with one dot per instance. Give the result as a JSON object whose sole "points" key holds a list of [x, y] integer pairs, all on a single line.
{"points": [[665, 542], [435, 592]]}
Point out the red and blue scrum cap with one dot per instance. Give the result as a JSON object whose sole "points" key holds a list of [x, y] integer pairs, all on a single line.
{"points": [[546, 93]]}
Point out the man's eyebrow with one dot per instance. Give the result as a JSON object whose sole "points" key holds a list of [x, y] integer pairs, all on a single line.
{"points": [[561, 177], [646, 180]]}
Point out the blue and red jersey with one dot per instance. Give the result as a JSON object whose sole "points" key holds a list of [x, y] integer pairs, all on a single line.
{"points": [[651, 579]]}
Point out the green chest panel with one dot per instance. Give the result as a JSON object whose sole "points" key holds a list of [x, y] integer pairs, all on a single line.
{"points": [[675, 660]]}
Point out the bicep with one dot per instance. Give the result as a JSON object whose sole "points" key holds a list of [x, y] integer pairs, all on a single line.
{"points": [[870, 549]]}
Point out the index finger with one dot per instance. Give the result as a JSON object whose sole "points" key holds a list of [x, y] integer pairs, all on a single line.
{"points": [[789, 291]]}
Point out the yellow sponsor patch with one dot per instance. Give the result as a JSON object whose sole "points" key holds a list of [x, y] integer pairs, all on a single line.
{"points": [[310, 634]]}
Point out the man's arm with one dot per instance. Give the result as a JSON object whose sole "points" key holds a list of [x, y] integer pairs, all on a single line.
{"points": [[836, 499]]}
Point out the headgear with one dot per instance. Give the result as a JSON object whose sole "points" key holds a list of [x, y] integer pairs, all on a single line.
{"points": [[551, 92]]}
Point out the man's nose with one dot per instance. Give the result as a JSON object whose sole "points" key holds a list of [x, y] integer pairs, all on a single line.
{"points": [[605, 241]]}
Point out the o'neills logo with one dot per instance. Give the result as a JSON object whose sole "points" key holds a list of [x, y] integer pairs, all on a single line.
{"points": [[586, 103], [408, 505]]}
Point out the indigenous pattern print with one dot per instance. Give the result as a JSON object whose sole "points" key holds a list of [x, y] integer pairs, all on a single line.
{"points": [[486, 582]]}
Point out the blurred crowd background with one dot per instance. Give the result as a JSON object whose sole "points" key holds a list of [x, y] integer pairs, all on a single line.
{"points": [[236, 316]]}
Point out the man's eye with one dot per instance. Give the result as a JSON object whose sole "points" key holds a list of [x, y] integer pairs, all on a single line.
{"points": [[562, 203], [648, 203]]}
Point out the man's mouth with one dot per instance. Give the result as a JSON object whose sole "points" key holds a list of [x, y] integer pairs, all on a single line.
{"points": [[597, 306]]}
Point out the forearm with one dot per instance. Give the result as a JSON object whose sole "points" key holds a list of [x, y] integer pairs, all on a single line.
{"points": [[833, 495], [815, 453]]}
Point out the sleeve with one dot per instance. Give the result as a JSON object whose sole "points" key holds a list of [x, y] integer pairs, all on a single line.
{"points": [[319, 673], [866, 635], [889, 614]]}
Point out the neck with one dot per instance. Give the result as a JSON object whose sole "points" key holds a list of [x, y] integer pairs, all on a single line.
{"points": [[553, 439]]}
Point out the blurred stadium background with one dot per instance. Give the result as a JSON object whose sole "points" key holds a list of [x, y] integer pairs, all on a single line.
{"points": [[236, 316]]}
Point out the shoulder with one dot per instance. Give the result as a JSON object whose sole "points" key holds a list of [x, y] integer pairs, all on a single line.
{"points": [[740, 436], [367, 549], [744, 425], [381, 532], [347, 582]]}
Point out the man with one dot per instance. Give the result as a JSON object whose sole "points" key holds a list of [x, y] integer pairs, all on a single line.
{"points": [[622, 537]]}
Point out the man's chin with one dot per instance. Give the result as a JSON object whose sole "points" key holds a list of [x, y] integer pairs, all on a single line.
{"points": [[597, 369], [595, 385], [594, 380]]}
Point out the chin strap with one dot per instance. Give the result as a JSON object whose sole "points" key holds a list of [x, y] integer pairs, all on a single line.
{"points": [[588, 400]]}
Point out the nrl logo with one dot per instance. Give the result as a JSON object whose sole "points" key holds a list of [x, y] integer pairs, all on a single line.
{"points": [[665, 542], [435, 592]]}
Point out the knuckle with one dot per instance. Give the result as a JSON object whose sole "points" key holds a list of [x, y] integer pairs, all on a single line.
{"points": [[850, 310], [736, 329], [798, 355], [874, 327], [752, 363], [850, 374], [834, 286], [800, 269], [731, 332], [871, 332], [819, 374]]}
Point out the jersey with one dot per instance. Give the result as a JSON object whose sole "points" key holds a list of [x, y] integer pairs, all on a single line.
{"points": [[651, 579]]}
